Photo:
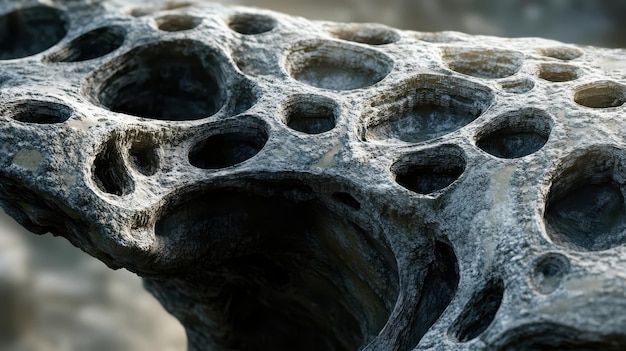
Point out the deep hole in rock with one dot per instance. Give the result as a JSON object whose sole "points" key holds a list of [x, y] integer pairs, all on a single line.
{"points": [[285, 272], [438, 289], [347, 200], [250, 24], [40, 112], [171, 5], [555, 72], [311, 114], [585, 206], [29, 31], [144, 156], [601, 94], [549, 336], [110, 173], [516, 134], [479, 312], [561, 52], [228, 147], [365, 34], [483, 63], [91, 45], [549, 271], [177, 23], [518, 86], [171, 80], [424, 108], [336, 66], [428, 171]]}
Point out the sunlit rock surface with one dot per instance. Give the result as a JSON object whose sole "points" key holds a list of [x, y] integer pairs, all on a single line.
{"points": [[285, 184]]}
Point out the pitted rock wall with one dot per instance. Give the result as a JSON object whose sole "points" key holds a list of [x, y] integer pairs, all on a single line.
{"points": [[287, 184]]}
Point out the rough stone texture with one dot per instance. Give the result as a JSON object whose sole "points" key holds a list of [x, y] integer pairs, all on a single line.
{"points": [[284, 184]]}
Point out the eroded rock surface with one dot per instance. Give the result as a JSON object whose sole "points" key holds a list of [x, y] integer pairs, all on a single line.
{"points": [[285, 184]]}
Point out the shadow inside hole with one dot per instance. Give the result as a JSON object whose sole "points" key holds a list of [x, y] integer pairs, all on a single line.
{"points": [[429, 171], [144, 157], [39, 112], [287, 272], [228, 148], [175, 80], [549, 271], [561, 52], [426, 107], [365, 33], [602, 94], [310, 114], [479, 312], [438, 289], [483, 63], [585, 206], [91, 45], [558, 72], [251, 24], [346, 199], [336, 66], [110, 173], [517, 134], [519, 86], [177, 23], [29, 31]]}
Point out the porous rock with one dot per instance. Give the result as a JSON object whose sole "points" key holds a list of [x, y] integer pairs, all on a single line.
{"points": [[282, 184]]}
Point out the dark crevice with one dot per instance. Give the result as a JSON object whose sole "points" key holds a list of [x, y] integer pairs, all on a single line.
{"points": [[347, 200], [479, 312], [429, 171], [109, 171], [144, 156], [177, 23]]}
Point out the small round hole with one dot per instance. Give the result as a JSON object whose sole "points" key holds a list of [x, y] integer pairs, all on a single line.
{"points": [[177, 23], [483, 63], [549, 271], [517, 86], [601, 94], [39, 112], [311, 114], [564, 53], [365, 33], [250, 24], [554, 72]]}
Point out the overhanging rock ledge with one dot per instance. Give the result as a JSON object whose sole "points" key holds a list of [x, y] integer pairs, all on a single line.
{"points": [[285, 184]]}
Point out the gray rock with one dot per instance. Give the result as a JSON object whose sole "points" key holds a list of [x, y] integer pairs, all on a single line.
{"points": [[286, 184]]}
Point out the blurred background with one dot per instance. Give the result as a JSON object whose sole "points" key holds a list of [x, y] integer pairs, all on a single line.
{"points": [[53, 297]]}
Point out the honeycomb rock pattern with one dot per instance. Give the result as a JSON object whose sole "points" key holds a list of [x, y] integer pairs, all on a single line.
{"points": [[282, 184]]}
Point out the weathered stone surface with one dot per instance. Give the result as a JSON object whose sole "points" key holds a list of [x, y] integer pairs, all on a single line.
{"points": [[286, 184]]}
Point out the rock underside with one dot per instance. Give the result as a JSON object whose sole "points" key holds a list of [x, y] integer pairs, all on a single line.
{"points": [[283, 184]]}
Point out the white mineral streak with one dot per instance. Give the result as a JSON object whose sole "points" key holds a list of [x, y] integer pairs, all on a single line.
{"points": [[284, 184]]}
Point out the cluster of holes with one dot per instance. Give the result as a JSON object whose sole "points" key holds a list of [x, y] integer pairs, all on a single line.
{"points": [[176, 23], [251, 23], [426, 107], [585, 206], [483, 63], [335, 65], [29, 31], [516, 134], [429, 171], [365, 33], [230, 145], [93, 44], [310, 114], [170, 80], [601, 94], [39, 112], [277, 256]]}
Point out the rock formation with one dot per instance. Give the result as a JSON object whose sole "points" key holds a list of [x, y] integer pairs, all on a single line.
{"points": [[282, 184]]}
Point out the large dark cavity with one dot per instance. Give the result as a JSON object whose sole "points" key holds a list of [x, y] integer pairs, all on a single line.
{"points": [[177, 81], [110, 173], [282, 271], [228, 147], [424, 108], [516, 134], [585, 207], [429, 171], [438, 289], [31, 30], [337, 66], [479, 312], [91, 45]]}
